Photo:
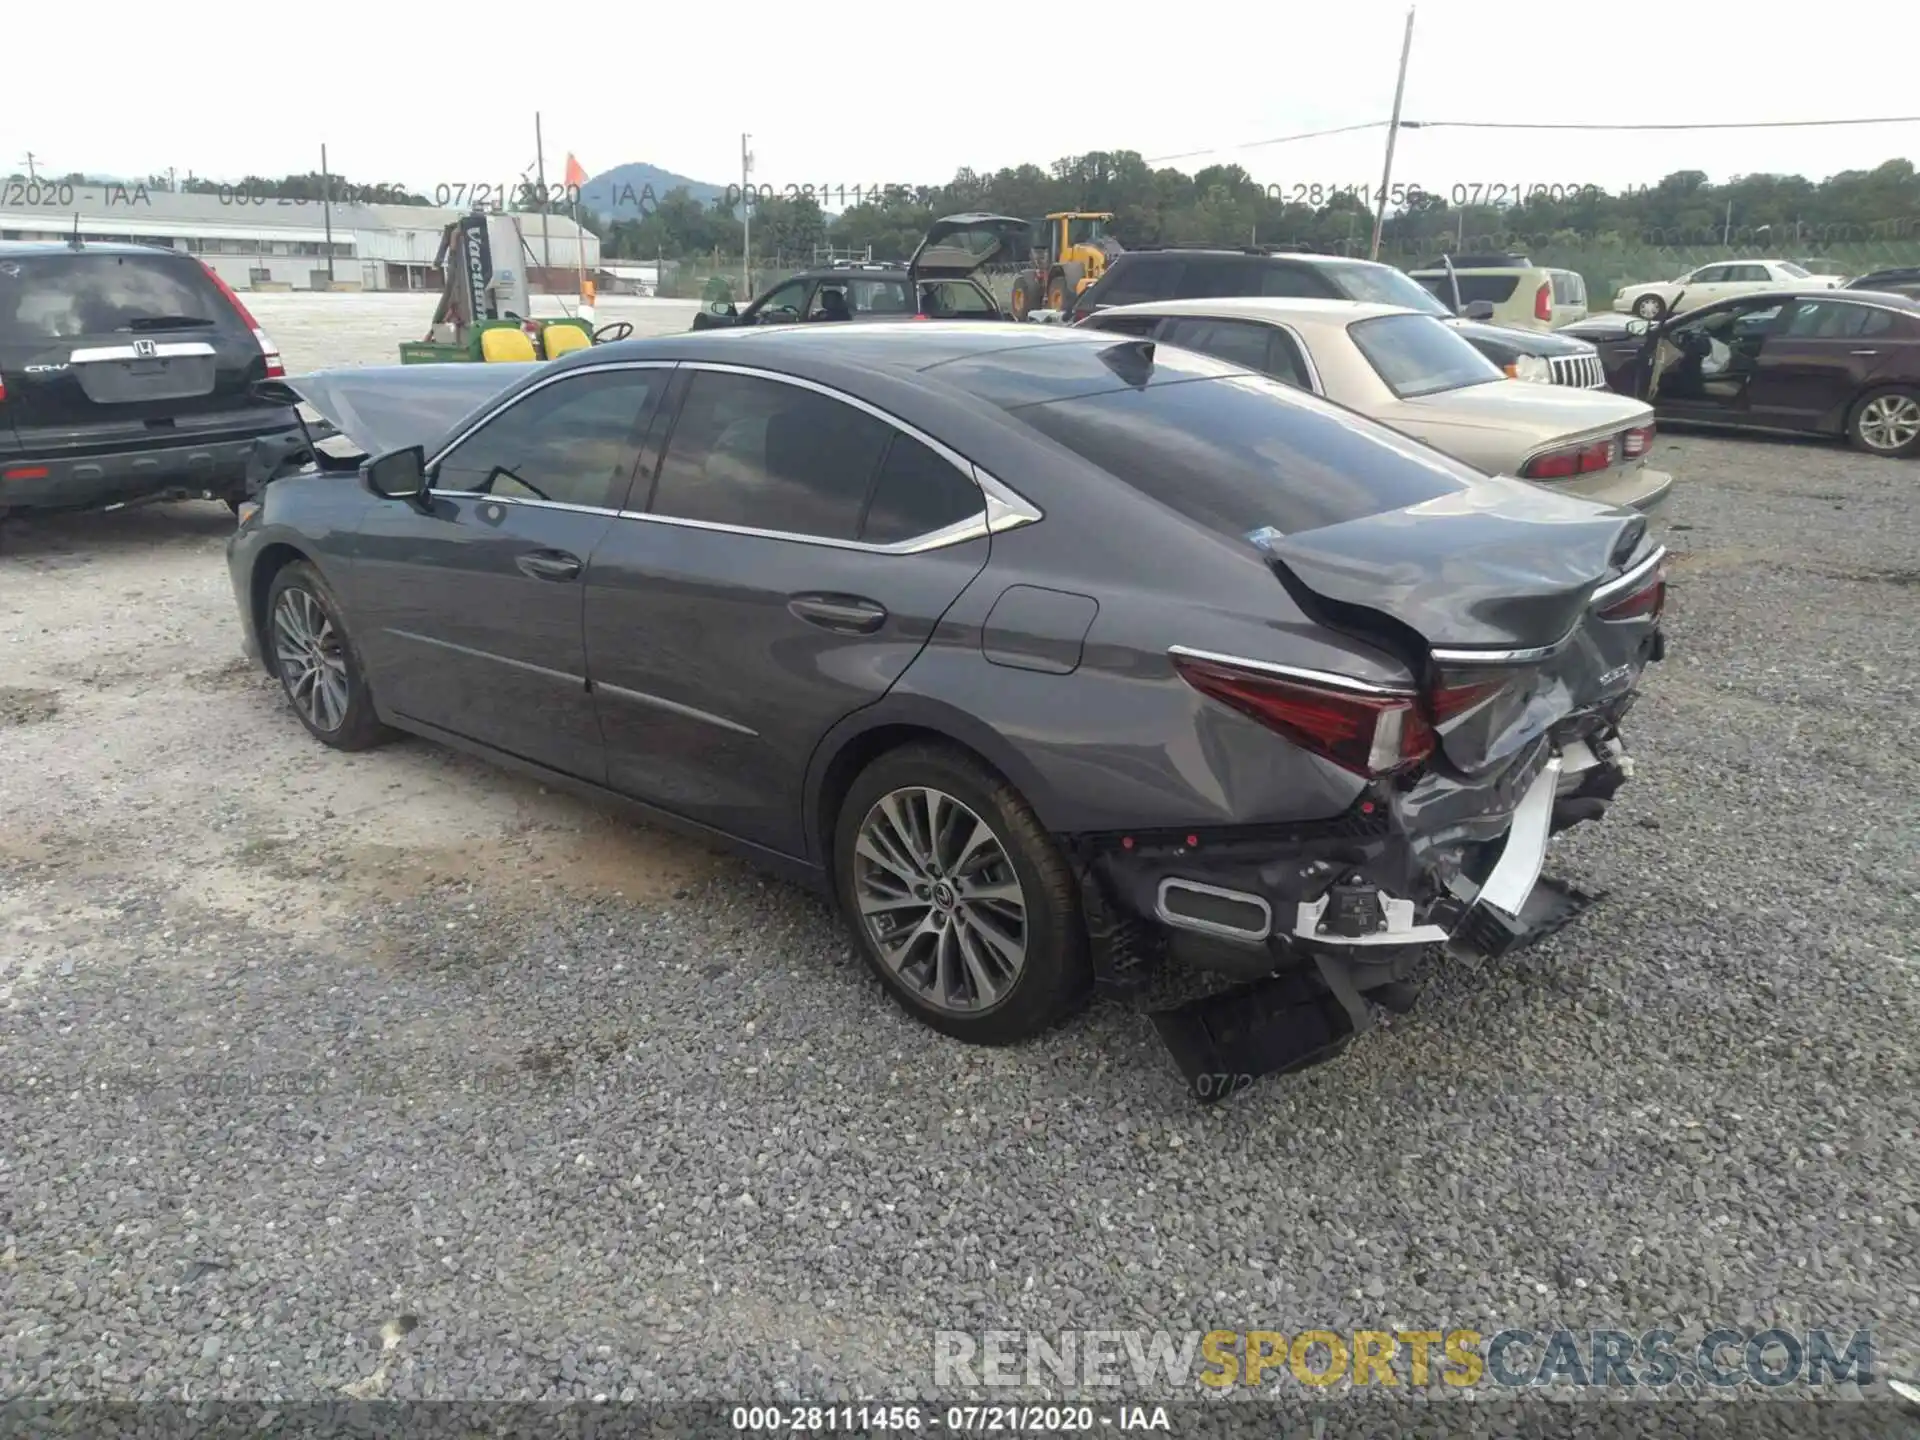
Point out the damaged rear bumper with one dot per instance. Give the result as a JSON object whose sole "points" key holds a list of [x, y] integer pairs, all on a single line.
{"points": [[1325, 921]]}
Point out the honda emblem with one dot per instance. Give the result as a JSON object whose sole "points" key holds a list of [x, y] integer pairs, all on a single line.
{"points": [[144, 349]]}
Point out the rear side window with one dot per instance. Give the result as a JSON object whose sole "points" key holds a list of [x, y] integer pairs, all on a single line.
{"points": [[1263, 349], [1242, 452], [1568, 288], [1142, 281], [1417, 355], [1494, 289], [1295, 280], [1140, 325], [918, 491], [769, 456], [49, 297]]}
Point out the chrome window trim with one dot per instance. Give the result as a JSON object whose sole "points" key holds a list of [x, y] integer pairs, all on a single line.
{"points": [[1294, 672], [1003, 508], [530, 502], [162, 350]]}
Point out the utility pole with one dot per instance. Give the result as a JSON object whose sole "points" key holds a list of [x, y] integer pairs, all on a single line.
{"points": [[540, 171], [326, 210], [1726, 230], [746, 219], [1393, 132], [32, 175]]}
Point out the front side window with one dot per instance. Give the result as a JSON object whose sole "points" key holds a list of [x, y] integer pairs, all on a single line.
{"points": [[1792, 269], [1416, 355], [1382, 285], [783, 302], [572, 442]]}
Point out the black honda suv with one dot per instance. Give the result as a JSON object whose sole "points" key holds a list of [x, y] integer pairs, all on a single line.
{"points": [[1138, 277], [127, 373]]}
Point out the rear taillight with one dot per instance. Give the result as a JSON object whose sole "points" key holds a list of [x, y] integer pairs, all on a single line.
{"points": [[1645, 601], [1636, 443], [1368, 731], [1573, 460], [275, 369], [1543, 302]]}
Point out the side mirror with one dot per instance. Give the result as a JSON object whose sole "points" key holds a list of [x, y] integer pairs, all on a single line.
{"points": [[1477, 310], [721, 307], [397, 475], [1637, 326]]}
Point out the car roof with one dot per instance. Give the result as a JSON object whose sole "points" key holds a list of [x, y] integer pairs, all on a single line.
{"points": [[1287, 257], [1004, 362], [1294, 310], [840, 272], [1819, 292]]}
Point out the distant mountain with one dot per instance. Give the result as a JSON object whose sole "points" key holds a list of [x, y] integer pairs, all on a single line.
{"points": [[617, 193]]}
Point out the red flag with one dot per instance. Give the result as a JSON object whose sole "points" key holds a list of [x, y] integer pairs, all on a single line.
{"points": [[575, 175]]}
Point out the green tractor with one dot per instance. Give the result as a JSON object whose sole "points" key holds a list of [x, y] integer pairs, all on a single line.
{"points": [[482, 314]]}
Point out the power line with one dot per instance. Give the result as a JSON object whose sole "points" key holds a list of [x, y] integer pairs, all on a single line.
{"points": [[1277, 140], [1703, 125]]}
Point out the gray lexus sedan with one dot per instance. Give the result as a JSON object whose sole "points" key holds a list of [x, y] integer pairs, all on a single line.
{"points": [[1053, 657]]}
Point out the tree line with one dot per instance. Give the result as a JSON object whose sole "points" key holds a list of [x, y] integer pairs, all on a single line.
{"points": [[1224, 205]]}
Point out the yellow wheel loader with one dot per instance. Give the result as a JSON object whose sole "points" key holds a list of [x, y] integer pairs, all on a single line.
{"points": [[1077, 251]]}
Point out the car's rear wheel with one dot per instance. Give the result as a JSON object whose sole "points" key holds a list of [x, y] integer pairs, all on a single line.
{"points": [[311, 652], [1887, 422], [959, 901], [1649, 307]]}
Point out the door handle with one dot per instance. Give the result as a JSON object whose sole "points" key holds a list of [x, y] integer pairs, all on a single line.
{"points": [[851, 614], [1863, 352], [549, 565]]}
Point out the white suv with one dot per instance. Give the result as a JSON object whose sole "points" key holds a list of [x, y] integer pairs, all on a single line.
{"points": [[1524, 296], [1721, 280]]}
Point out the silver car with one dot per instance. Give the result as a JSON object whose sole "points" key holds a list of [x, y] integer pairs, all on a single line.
{"points": [[1412, 372]]}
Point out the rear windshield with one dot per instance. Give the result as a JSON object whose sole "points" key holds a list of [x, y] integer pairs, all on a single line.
{"points": [[49, 297], [1382, 285], [1495, 289], [1242, 452], [1417, 355]]}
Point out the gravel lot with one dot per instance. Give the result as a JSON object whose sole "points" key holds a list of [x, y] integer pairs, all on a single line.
{"points": [[296, 1043]]}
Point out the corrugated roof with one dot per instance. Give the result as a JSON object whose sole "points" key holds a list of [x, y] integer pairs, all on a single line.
{"points": [[163, 211]]}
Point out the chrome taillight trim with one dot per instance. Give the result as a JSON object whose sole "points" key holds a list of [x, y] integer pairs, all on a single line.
{"points": [[1326, 679], [1629, 581]]}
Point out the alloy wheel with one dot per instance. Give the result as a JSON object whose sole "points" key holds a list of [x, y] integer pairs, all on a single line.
{"points": [[1890, 421], [941, 900], [1648, 307], [311, 659]]}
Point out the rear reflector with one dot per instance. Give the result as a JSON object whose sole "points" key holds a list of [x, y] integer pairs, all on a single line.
{"points": [[1366, 732], [25, 472], [275, 370]]}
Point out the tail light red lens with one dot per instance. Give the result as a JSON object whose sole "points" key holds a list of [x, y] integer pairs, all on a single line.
{"points": [[1647, 602], [1574, 460], [1543, 302], [275, 369], [1636, 443], [1367, 733]]}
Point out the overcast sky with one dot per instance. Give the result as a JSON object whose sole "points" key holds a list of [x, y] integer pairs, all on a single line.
{"points": [[221, 89]]}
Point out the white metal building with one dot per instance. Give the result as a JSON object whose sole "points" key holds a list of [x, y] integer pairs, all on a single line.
{"points": [[256, 242]]}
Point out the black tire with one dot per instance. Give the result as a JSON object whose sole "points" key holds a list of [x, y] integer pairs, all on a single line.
{"points": [[1063, 289], [1055, 976], [1026, 295], [1903, 401], [1650, 307], [358, 727]]}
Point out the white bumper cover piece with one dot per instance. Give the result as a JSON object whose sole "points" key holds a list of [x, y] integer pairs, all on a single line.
{"points": [[1505, 890]]}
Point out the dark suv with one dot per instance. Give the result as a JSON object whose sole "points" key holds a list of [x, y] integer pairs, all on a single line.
{"points": [[127, 372], [1211, 273]]}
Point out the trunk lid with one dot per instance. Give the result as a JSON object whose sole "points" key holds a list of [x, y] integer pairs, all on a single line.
{"points": [[99, 349], [390, 407], [1488, 594], [957, 245]]}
